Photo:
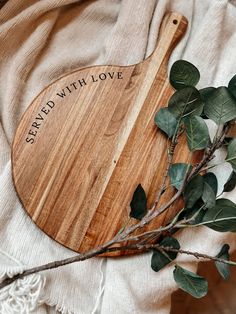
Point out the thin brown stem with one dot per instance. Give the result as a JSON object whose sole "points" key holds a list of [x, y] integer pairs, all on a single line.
{"points": [[200, 255], [96, 252], [170, 155]]}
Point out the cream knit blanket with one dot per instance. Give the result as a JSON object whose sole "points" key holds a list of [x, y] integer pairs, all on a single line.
{"points": [[43, 40]]}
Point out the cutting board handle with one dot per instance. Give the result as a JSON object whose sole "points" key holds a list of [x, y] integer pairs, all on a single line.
{"points": [[172, 29]]}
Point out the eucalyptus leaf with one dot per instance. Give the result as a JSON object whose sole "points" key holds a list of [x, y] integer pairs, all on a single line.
{"points": [[211, 179], [193, 191], [161, 259], [223, 268], [183, 73], [190, 282], [208, 196], [220, 105], [232, 85], [197, 133], [139, 203], [231, 183], [166, 121], [231, 154], [205, 92], [177, 174], [186, 102], [225, 202], [221, 217], [190, 212]]}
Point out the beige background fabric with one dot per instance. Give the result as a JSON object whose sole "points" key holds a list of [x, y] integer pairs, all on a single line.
{"points": [[41, 41]]}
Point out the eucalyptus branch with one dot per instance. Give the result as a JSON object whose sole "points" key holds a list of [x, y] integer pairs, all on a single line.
{"points": [[125, 234], [102, 250]]}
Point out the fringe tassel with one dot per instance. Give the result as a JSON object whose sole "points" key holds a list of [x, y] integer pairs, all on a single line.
{"points": [[22, 296]]}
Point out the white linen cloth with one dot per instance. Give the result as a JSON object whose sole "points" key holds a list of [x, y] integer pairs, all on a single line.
{"points": [[39, 42]]}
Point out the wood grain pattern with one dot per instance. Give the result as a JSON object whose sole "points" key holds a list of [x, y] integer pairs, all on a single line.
{"points": [[89, 139]]}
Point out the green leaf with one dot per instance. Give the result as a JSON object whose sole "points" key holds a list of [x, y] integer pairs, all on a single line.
{"points": [[205, 92], [186, 102], [197, 133], [225, 202], [232, 85], [209, 189], [190, 282], [139, 203], [220, 105], [231, 182], [192, 211], [193, 191], [166, 121], [222, 268], [208, 196], [211, 179], [231, 155], [183, 73], [221, 217], [177, 174], [161, 259]]}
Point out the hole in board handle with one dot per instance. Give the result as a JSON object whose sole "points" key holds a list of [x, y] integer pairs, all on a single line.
{"points": [[175, 21]]}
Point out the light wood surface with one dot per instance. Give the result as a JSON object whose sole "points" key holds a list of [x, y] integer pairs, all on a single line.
{"points": [[77, 158]]}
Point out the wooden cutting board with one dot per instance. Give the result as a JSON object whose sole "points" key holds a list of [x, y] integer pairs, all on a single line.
{"points": [[89, 139]]}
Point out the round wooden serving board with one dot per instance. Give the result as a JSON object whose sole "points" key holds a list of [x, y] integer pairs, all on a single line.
{"points": [[89, 139]]}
